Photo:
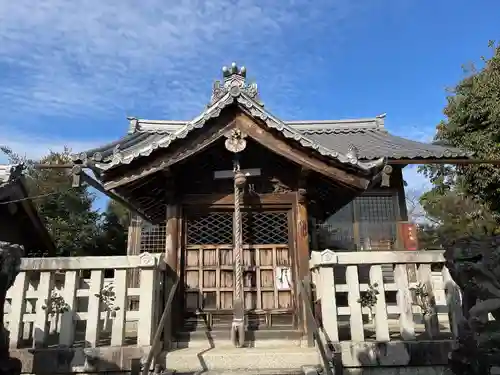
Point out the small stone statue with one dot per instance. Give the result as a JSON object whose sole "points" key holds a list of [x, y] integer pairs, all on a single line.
{"points": [[474, 264], [10, 262]]}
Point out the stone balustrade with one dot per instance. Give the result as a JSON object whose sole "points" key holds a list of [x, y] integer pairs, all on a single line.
{"points": [[84, 302], [398, 319], [89, 306]]}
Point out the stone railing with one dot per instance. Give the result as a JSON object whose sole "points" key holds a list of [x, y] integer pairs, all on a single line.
{"points": [[84, 302], [404, 302]]}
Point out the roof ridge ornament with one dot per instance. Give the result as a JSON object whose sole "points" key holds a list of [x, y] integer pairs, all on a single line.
{"points": [[228, 72], [352, 154], [133, 124], [235, 84], [380, 120]]}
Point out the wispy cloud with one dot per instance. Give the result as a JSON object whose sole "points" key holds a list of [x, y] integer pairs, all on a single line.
{"points": [[67, 57], [70, 59], [35, 147]]}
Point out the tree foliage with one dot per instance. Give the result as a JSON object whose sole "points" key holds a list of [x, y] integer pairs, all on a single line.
{"points": [[466, 199], [76, 227], [112, 239]]}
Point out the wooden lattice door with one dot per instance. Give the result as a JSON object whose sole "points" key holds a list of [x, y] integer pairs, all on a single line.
{"points": [[267, 264]]}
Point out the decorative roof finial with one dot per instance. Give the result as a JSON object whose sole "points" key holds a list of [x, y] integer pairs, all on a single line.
{"points": [[234, 83], [233, 70]]}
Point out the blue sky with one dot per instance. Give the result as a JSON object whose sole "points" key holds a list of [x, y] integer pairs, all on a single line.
{"points": [[71, 71]]}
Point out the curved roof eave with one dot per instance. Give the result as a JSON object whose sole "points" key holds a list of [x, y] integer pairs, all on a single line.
{"points": [[143, 144]]}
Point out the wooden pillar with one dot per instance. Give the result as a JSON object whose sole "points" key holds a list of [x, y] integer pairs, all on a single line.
{"points": [[302, 251], [172, 237], [134, 246], [172, 218], [171, 273]]}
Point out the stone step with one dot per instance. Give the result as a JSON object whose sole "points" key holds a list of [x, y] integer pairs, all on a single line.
{"points": [[312, 371], [289, 360], [258, 339]]}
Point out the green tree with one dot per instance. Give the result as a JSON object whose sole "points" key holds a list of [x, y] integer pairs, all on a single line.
{"points": [[454, 214], [465, 200], [119, 211], [473, 123], [112, 239], [67, 211]]}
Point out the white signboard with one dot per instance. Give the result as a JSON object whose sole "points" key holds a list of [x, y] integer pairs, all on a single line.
{"points": [[283, 278]]}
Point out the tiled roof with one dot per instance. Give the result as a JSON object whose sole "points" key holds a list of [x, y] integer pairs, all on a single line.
{"points": [[369, 136], [376, 143], [360, 143], [235, 92]]}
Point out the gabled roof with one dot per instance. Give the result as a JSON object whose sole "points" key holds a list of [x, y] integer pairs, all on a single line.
{"points": [[368, 135], [335, 138], [357, 149], [360, 144], [234, 90]]}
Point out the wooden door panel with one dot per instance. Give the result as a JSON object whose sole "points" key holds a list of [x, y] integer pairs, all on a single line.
{"points": [[259, 276], [209, 272]]}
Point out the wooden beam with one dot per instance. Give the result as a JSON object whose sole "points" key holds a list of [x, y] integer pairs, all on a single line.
{"points": [[220, 175], [87, 165], [268, 140], [443, 161], [228, 199], [96, 185]]}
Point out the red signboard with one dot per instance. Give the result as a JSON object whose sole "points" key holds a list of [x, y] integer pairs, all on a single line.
{"points": [[409, 235]]}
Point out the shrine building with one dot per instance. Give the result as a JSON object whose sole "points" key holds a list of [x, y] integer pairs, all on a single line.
{"points": [[20, 223], [299, 186]]}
